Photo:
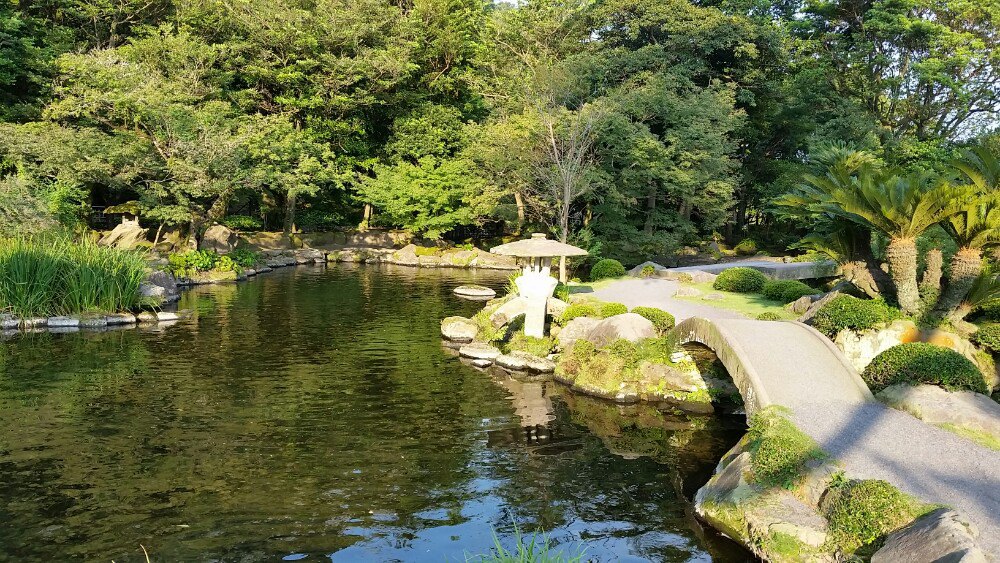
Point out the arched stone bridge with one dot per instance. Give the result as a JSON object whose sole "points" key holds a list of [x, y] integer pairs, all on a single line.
{"points": [[778, 363]]}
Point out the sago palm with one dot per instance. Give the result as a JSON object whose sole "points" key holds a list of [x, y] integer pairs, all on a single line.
{"points": [[975, 227], [985, 292], [902, 207], [981, 167]]}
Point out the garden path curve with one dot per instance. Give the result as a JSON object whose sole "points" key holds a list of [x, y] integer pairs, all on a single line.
{"points": [[796, 367]]}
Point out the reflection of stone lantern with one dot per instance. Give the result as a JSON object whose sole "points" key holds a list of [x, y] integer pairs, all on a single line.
{"points": [[535, 285]]}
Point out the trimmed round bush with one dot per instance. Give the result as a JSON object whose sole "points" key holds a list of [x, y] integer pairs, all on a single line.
{"points": [[920, 362], [988, 337], [769, 316], [647, 271], [844, 311], [786, 291], [579, 310], [662, 320], [607, 268], [740, 280], [612, 309], [861, 512]]}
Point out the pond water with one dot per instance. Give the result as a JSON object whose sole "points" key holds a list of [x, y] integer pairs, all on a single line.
{"points": [[312, 414]]}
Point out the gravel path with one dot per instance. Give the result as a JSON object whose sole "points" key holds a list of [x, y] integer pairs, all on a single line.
{"points": [[874, 441], [659, 293], [869, 439]]}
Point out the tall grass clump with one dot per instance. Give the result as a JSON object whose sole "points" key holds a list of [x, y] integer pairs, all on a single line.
{"points": [[54, 276], [533, 549]]}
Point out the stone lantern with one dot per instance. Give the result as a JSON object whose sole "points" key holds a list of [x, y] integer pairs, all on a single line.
{"points": [[536, 285]]}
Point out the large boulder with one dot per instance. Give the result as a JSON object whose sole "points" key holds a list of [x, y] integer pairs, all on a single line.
{"points": [[509, 311], [627, 326], [698, 276], [862, 347], [942, 535], [818, 304], [934, 405], [219, 238], [126, 235], [574, 330], [637, 271], [781, 512], [459, 329], [406, 256], [555, 307], [672, 378], [160, 287]]}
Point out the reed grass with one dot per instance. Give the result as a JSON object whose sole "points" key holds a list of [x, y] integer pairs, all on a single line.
{"points": [[45, 276]]}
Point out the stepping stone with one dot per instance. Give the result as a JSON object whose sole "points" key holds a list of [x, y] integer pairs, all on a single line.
{"points": [[62, 322], [479, 351], [475, 292], [166, 316]]}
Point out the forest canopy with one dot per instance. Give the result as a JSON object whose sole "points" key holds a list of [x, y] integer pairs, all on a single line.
{"points": [[631, 127]]}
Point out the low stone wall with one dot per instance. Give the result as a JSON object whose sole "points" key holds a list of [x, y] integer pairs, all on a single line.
{"points": [[11, 325]]}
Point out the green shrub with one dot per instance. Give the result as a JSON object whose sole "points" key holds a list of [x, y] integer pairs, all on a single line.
{"points": [[779, 451], [988, 337], [243, 223], [786, 291], [579, 310], [314, 220], [740, 280], [846, 312], [746, 247], [612, 309], [187, 264], [561, 292], [647, 271], [245, 257], [662, 320], [431, 251], [607, 268], [55, 276], [920, 362], [769, 316], [861, 512], [533, 345]]}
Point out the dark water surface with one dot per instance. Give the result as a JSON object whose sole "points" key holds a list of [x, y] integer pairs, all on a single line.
{"points": [[312, 414]]}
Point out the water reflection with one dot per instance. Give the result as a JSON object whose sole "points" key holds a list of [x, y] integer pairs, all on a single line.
{"points": [[312, 412]]}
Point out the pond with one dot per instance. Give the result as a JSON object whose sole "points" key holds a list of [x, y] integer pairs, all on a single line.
{"points": [[312, 414]]}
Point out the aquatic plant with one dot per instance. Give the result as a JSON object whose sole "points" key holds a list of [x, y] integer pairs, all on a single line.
{"points": [[533, 549], [48, 276]]}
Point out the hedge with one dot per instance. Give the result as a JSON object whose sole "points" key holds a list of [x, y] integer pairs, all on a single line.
{"points": [[607, 268], [845, 311], [988, 337], [662, 320], [786, 291], [740, 280], [920, 362]]}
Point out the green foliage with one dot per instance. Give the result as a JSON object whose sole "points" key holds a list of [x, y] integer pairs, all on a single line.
{"points": [[561, 292], [746, 247], [612, 309], [528, 550], [243, 223], [54, 276], [647, 271], [662, 320], [779, 451], [769, 316], [187, 264], [988, 337], [245, 257], [585, 309], [847, 312], [312, 220], [740, 280], [535, 346], [786, 291], [607, 268], [862, 512], [920, 362]]}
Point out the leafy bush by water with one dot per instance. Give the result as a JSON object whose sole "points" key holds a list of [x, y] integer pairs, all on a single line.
{"points": [[244, 257], [856, 314], [920, 362], [243, 223], [778, 450], [533, 345], [187, 264], [45, 277], [862, 512], [607, 268], [662, 320], [740, 280], [786, 291]]}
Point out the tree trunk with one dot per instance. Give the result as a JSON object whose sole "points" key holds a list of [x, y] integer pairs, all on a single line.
{"points": [[519, 201], [902, 257], [366, 219], [562, 269], [860, 275], [966, 266], [289, 226], [931, 282]]}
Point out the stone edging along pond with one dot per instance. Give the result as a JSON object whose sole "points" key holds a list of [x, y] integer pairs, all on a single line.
{"points": [[164, 286]]}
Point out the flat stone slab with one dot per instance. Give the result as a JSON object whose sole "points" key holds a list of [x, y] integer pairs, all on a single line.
{"points": [[479, 351], [935, 405], [459, 329], [942, 535], [475, 291], [62, 322], [523, 361], [782, 512], [166, 316]]}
